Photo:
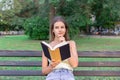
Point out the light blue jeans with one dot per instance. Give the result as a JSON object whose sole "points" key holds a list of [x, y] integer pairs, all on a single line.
{"points": [[60, 74]]}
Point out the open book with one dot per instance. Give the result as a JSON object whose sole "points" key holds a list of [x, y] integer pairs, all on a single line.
{"points": [[59, 52]]}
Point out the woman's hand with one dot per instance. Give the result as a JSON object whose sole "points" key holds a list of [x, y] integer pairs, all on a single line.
{"points": [[61, 38], [54, 63]]}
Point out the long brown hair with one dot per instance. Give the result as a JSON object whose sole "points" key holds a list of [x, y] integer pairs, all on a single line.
{"points": [[56, 19]]}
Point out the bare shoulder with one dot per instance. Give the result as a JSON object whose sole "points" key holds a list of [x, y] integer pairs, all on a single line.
{"points": [[72, 43]]}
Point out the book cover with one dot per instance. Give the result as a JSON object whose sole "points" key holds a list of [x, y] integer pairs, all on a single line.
{"points": [[59, 52]]}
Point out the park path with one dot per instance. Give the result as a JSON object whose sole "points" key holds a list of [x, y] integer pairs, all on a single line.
{"points": [[101, 36], [113, 37]]}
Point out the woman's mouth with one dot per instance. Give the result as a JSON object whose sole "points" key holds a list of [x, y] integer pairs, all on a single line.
{"points": [[59, 33]]}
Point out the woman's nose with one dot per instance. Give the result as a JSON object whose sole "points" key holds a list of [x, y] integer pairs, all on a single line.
{"points": [[60, 29]]}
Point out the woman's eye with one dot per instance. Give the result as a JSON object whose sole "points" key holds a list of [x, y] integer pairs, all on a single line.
{"points": [[62, 27], [56, 27]]}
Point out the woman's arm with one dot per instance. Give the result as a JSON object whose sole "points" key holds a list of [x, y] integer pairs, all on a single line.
{"points": [[73, 60], [45, 67]]}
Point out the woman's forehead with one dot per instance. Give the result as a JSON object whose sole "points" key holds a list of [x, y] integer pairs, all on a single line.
{"points": [[59, 23]]}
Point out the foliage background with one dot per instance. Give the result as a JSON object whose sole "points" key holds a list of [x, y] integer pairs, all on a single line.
{"points": [[78, 14]]}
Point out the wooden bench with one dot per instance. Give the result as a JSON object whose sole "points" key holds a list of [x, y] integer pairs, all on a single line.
{"points": [[82, 54]]}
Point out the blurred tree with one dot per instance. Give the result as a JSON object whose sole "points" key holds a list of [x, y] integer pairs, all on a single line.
{"points": [[77, 12], [8, 9], [106, 12]]}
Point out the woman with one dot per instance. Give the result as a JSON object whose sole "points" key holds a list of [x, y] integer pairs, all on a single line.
{"points": [[63, 70]]}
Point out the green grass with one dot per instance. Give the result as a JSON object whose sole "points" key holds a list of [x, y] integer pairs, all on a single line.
{"points": [[22, 42], [98, 44]]}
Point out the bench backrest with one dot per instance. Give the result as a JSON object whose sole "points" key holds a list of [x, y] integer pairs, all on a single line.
{"points": [[82, 54]]}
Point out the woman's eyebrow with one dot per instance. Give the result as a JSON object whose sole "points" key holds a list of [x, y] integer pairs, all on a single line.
{"points": [[56, 26]]}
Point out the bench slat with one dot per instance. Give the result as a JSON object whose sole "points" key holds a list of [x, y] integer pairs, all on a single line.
{"points": [[19, 53], [21, 63], [99, 54], [38, 73], [20, 73], [97, 73], [81, 64], [100, 64], [87, 54]]}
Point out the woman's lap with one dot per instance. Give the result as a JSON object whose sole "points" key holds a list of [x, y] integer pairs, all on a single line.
{"points": [[60, 74]]}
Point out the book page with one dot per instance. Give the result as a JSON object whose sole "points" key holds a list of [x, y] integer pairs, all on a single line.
{"points": [[55, 54], [58, 45]]}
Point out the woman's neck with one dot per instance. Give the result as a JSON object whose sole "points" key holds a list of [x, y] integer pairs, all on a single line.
{"points": [[56, 39]]}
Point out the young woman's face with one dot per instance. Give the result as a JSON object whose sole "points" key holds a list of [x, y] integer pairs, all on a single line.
{"points": [[59, 29]]}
